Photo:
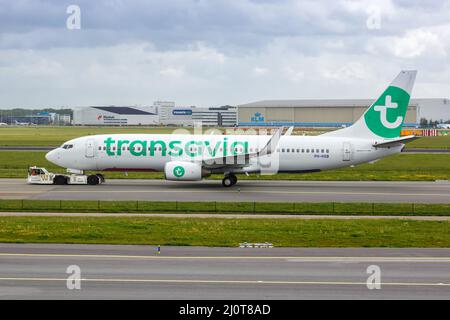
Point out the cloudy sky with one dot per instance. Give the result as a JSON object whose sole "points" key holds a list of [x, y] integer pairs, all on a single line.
{"points": [[215, 52]]}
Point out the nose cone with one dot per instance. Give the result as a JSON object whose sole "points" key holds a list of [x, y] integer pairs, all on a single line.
{"points": [[52, 156]]}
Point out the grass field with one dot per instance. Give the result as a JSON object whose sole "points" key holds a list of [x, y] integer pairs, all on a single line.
{"points": [[328, 208], [55, 136], [226, 232], [401, 167], [441, 142]]}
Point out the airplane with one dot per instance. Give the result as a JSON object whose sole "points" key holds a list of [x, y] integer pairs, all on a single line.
{"points": [[193, 157], [443, 126], [17, 123]]}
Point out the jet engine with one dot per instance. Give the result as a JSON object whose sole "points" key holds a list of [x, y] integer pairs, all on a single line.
{"points": [[184, 171]]}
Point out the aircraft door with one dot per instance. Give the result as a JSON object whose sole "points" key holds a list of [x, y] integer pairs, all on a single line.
{"points": [[90, 148], [347, 151]]}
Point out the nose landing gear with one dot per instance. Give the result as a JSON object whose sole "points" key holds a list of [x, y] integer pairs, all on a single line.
{"points": [[229, 180]]}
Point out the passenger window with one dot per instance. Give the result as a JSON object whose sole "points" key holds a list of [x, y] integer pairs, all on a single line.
{"points": [[312, 150], [328, 150], [317, 150], [322, 151], [307, 150]]}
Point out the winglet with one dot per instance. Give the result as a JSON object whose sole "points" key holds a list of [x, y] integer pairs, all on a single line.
{"points": [[289, 131], [271, 146]]}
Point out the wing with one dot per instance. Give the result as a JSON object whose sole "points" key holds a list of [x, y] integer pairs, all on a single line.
{"points": [[242, 160]]}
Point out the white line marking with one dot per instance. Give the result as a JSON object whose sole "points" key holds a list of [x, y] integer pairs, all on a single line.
{"points": [[259, 282], [287, 258]]}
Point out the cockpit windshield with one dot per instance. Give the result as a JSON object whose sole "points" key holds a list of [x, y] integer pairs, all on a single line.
{"points": [[67, 146]]}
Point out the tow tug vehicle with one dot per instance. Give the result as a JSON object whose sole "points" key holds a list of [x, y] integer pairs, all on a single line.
{"points": [[39, 175]]}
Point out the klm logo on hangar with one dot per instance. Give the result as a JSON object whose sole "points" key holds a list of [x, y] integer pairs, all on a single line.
{"points": [[258, 117]]}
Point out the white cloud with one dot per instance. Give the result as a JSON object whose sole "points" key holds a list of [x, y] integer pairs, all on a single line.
{"points": [[417, 42], [260, 71], [217, 52], [172, 72], [352, 70]]}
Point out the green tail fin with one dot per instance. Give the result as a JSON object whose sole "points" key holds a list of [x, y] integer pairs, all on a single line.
{"points": [[385, 117]]}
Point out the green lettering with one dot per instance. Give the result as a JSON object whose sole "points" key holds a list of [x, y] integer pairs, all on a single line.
{"points": [[187, 148], [119, 146], [142, 152], [175, 150], [239, 143], [225, 146], [213, 151], [108, 143], [157, 142]]}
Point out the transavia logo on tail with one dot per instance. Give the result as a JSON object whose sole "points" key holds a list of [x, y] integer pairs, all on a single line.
{"points": [[178, 171], [386, 115]]}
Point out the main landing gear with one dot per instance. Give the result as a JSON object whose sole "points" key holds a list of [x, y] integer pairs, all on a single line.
{"points": [[229, 180]]}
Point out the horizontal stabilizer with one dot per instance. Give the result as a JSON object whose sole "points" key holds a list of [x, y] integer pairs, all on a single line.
{"points": [[394, 142]]}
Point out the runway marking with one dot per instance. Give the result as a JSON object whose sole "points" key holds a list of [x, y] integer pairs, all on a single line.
{"points": [[259, 282], [287, 258]]}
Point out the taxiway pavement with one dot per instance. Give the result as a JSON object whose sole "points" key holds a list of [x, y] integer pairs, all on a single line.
{"points": [[245, 190], [39, 271]]}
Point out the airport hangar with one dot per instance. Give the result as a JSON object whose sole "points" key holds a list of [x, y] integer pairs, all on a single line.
{"points": [[306, 113], [331, 112]]}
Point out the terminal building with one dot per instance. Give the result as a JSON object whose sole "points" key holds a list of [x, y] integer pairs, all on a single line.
{"points": [[161, 113], [115, 116], [224, 116], [331, 112]]}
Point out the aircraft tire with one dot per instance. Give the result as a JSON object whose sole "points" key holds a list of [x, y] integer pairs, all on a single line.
{"points": [[101, 177], [227, 181]]}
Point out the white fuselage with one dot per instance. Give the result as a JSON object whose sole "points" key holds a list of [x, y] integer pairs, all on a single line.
{"points": [[151, 152]]}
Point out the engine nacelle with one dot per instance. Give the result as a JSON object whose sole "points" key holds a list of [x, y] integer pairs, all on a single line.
{"points": [[184, 171]]}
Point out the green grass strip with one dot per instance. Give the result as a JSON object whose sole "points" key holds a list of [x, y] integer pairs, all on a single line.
{"points": [[225, 232]]}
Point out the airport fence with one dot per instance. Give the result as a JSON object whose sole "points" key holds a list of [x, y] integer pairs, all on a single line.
{"points": [[327, 208]]}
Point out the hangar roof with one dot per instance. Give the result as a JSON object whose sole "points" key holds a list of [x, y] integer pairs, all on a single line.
{"points": [[308, 103], [124, 110]]}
